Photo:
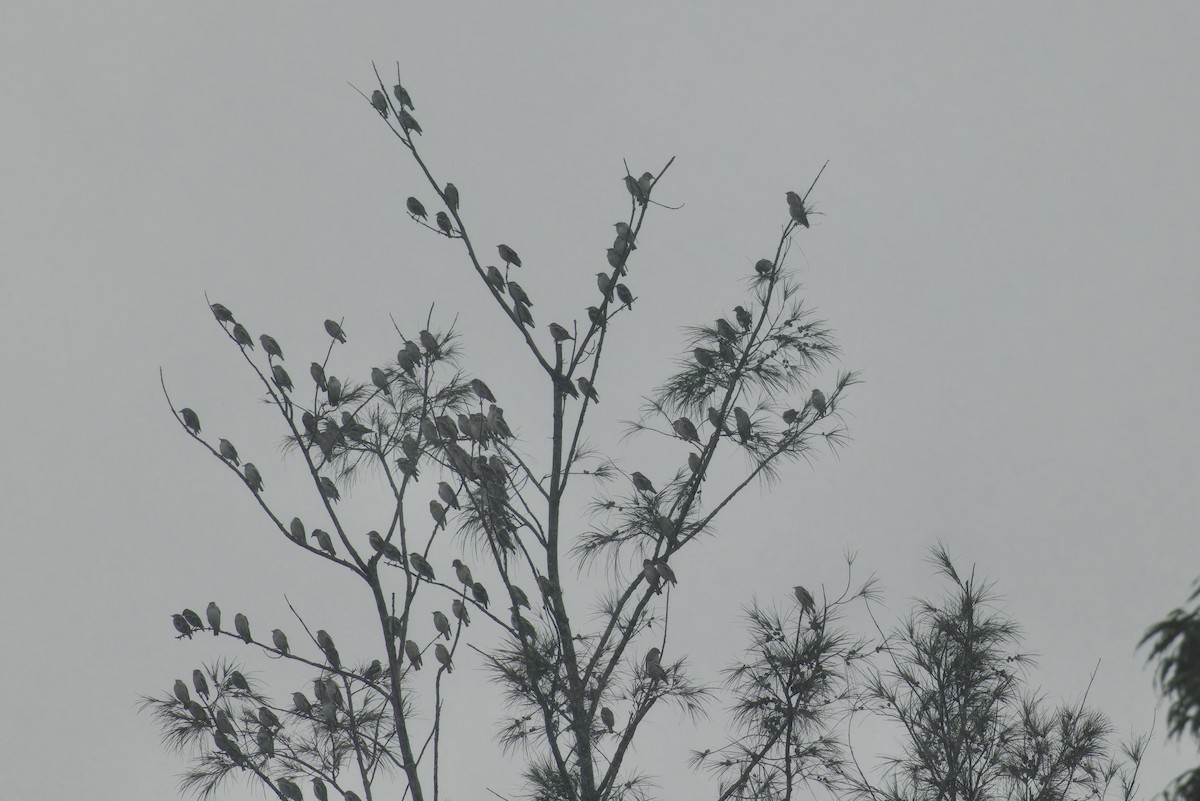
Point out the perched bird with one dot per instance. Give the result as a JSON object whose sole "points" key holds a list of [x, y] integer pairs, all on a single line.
{"points": [[686, 430], [227, 451], [442, 624], [242, 336], [280, 641], [423, 568], [695, 462], [743, 423], [665, 572], [289, 790], [430, 343], [270, 346], [402, 96], [717, 421], [524, 628], [237, 681], [616, 260], [445, 427], [523, 315], [199, 682], [805, 599], [241, 624], [451, 196], [519, 597], [460, 611], [495, 277], [253, 477], [463, 573], [190, 419], [744, 318], [267, 718], [817, 399], [181, 625], [564, 385], [222, 314], [605, 285], [335, 330], [764, 267], [198, 714], [596, 316], [301, 703], [790, 416], [181, 692], [373, 671], [705, 357], [607, 718], [443, 223], [408, 122], [296, 530], [480, 594], [446, 493], [482, 391], [225, 723], [229, 747], [589, 391], [559, 333], [725, 330], [266, 746], [654, 668], [443, 656], [646, 183], [333, 390], [651, 576], [329, 489], [624, 232], [318, 374], [414, 653], [379, 101], [213, 613], [635, 189], [193, 619], [508, 255], [624, 295], [641, 483], [379, 379], [796, 208], [546, 586], [324, 541], [665, 527], [518, 294], [439, 514]]}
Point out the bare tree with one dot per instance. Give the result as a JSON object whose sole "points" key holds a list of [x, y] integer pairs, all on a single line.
{"points": [[955, 684], [580, 674]]}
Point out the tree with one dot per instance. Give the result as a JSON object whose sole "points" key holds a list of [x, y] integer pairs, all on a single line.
{"points": [[1175, 643], [579, 685], [956, 686]]}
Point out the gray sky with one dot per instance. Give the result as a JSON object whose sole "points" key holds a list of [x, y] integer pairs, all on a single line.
{"points": [[1007, 251]]}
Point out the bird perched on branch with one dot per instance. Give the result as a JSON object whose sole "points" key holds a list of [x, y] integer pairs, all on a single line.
{"points": [[280, 640], [443, 656], [559, 333], [805, 599], [462, 572], [379, 102], [241, 624], [508, 255], [335, 330], [414, 653], [641, 483], [479, 593], [190, 419], [213, 613], [423, 568], [451, 195], [442, 624], [654, 668], [686, 430], [817, 399], [228, 452]]}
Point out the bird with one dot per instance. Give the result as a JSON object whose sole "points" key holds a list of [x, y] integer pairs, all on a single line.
{"points": [[242, 336], [301, 703], [442, 624], [429, 342], [635, 189], [443, 656], [796, 208], [289, 789], [335, 330], [460, 611], [190, 419], [324, 541], [270, 346], [333, 389], [624, 232], [199, 682], [443, 223], [229, 747], [225, 723], [282, 379], [605, 285], [519, 597], [329, 489], [653, 667], [253, 477], [695, 462], [222, 314], [559, 333], [296, 529], [764, 267], [508, 255], [379, 379], [725, 330], [624, 295], [523, 315], [705, 357], [237, 680], [616, 260], [213, 613], [423, 568], [817, 399], [666, 528], [193, 619], [480, 594], [495, 277], [607, 718], [402, 96], [744, 318], [451, 195], [518, 294], [266, 745], [241, 625], [589, 391], [743, 423], [181, 625], [463, 572], [318, 375], [641, 483], [665, 572], [805, 599], [439, 514], [651, 576], [446, 493], [414, 653], [686, 430], [280, 641], [596, 316], [373, 671], [408, 122], [482, 391], [181, 692], [267, 718], [379, 101], [646, 183], [228, 452]]}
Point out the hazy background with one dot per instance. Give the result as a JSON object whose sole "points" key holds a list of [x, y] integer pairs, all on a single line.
{"points": [[1007, 251]]}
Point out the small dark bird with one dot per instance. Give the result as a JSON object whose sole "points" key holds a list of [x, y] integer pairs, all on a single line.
{"points": [[329, 489], [518, 294], [289, 789], [596, 316], [430, 343], [267, 718], [743, 423], [651, 576], [479, 593], [442, 624], [237, 681], [270, 346], [463, 573], [241, 624], [296, 529], [193, 620], [181, 626], [373, 671], [443, 656], [817, 399], [402, 96], [443, 223], [559, 333], [423, 568], [635, 189], [705, 357], [686, 430], [607, 718], [495, 278], [589, 391], [624, 295], [387, 549], [482, 391], [319, 786], [414, 653], [725, 330], [380, 103], [242, 336], [519, 597], [665, 572], [318, 375], [181, 692], [446, 493], [523, 315], [282, 379], [280, 641], [451, 195], [605, 285], [508, 255], [744, 318], [301, 703], [324, 541], [409, 123], [213, 613], [335, 330], [616, 260], [460, 611], [764, 267], [222, 314], [266, 747], [416, 208], [805, 599], [438, 512], [641, 483], [190, 419], [694, 462], [654, 668], [796, 208]]}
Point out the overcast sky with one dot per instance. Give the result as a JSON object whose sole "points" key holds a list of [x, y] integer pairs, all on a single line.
{"points": [[1007, 250]]}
